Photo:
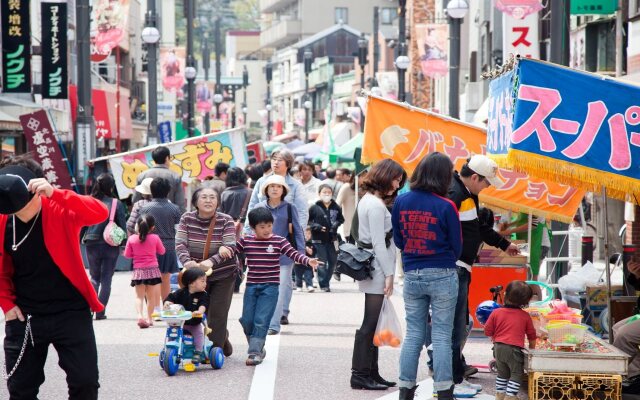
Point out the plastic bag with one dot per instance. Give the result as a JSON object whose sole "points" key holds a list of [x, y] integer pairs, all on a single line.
{"points": [[577, 281], [388, 331]]}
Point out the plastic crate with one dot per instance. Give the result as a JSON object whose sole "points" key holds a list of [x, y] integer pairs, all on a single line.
{"points": [[566, 334], [544, 386]]}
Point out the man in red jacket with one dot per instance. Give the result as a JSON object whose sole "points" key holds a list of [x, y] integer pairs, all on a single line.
{"points": [[45, 293]]}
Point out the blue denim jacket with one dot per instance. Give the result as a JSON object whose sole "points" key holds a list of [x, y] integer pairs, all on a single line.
{"points": [[280, 225]]}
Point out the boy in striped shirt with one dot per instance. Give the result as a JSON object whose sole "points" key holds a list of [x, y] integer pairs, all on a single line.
{"points": [[262, 251]]}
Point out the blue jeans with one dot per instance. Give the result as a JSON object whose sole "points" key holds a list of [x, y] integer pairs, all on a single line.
{"points": [[102, 264], [460, 322], [284, 296], [438, 288], [303, 274], [257, 309], [326, 253]]}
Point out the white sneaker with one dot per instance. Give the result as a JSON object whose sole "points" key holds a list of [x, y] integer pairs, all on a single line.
{"points": [[465, 383], [464, 392], [311, 289], [298, 289]]}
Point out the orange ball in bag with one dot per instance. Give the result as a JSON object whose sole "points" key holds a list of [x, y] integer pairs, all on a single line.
{"points": [[376, 341], [385, 336], [395, 342]]}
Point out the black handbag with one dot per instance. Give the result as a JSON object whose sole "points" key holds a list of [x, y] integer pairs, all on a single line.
{"points": [[355, 262]]}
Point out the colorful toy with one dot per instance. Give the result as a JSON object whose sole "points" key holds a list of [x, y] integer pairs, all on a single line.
{"points": [[178, 345]]}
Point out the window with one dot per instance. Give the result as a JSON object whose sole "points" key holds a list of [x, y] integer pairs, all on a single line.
{"points": [[341, 15], [388, 15]]}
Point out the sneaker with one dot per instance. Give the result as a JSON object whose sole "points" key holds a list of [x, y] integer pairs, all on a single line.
{"points": [[298, 289], [474, 386], [253, 359], [469, 371], [311, 289], [336, 277], [272, 332], [463, 392], [325, 289], [196, 358], [284, 320]]}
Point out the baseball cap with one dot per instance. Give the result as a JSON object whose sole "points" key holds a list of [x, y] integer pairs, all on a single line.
{"points": [[483, 165], [14, 194], [145, 187]]}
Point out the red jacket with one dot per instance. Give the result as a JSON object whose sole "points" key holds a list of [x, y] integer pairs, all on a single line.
{"points": [[63, 215]]}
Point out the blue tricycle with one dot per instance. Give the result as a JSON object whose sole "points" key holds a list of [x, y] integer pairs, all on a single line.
{"points": [[178, 347]]}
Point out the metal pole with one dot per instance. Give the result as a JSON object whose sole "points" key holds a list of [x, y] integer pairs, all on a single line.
{"points": [[619, 39], [606, 263], [152, 74], [244, 112], [118, 144], [306, 110], [402, 48], [233, 110], [190, 63], [560, 32], [218, 49], [85, 140], [454, 66], [205, 65], [376, 47]]}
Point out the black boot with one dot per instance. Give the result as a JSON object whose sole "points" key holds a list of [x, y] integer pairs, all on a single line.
{"points": [[446, 394], [361, 365], [375, 374], [408, 394]]}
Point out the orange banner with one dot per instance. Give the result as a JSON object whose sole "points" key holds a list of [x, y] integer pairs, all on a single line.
{"points": [[406, 135], [522, 193]]}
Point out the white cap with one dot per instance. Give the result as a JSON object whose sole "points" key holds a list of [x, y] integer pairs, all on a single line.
{"points": [[145, 187], [483, 165]]}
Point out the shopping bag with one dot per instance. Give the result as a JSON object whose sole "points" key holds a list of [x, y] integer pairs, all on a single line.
{"points": [[388, 331]]}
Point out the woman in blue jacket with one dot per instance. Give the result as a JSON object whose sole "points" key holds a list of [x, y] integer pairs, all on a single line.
{"points": [[426, 228]]}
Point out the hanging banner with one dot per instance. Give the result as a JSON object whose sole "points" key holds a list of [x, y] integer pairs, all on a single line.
{"points": [[406, 135], [588, 7], [522, 193], [574, 128], [193, 158], [54, 50], [204, 97], [111, 18], [173, 64], [255, 152], [500, 114], [432, 49], [164, 132], [520, 36], [16, 46], [519, 9], [43, 145]]}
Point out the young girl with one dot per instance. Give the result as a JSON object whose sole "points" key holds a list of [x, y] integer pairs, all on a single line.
{"points": [[194, 298], [143, 248], [507, 327]]}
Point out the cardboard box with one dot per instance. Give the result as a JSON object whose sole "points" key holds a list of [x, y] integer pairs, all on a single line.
{"points": [[495, 256], [597, 296]]}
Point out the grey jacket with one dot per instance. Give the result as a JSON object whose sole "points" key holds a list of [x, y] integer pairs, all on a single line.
{"points": [[176, 194]]}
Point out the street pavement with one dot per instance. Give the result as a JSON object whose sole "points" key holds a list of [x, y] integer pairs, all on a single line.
{"points": [[310, 359]]}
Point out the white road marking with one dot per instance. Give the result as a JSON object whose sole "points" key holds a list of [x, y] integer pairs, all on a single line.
{"points": [[264, 377], [425, 392]]}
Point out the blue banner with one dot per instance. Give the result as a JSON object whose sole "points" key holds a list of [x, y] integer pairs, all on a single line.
{"points": [[500, 114], [574, 127], [164, 132]]}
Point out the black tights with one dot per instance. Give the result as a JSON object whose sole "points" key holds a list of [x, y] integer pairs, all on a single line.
{"points": [[372, 307], [364, 353]]}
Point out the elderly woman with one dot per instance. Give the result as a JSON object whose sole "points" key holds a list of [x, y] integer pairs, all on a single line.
{"points": [[199, 237]]}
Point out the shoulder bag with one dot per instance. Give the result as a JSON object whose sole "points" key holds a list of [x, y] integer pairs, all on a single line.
{"points": [[113, 234], [356, 260]]}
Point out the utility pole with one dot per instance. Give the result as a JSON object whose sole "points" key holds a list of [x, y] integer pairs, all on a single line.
{"points": [[206, 63], [218, 45], [376, 46], [85, 140], [402, 49], [191, 90], [151, 39]]}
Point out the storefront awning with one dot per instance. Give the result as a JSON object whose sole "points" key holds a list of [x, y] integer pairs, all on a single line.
{"points": [[8, 122], [105, 112]]}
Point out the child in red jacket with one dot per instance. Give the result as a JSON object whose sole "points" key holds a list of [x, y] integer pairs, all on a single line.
{"points": [[507, 328]]}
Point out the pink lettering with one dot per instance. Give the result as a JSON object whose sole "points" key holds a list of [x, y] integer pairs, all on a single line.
{"points": [[548, 100], [596, 114]]}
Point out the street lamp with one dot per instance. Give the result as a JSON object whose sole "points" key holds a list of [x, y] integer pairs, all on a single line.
{"points": [[268, 69], [218, 99], [245, 83], [401, 60], [456, 11], [308, 60], [190, 69], [151, 36], [363, 49]]}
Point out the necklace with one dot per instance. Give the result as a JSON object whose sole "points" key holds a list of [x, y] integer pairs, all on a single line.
{"points": [[16, 245]]}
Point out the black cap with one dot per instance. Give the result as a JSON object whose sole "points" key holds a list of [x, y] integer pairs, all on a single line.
{"points": [[14, 194]]}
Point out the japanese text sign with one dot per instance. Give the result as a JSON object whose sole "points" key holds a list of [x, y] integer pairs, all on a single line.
{"points": [[54, 50], [521, 36], [593, 6], [500, 114], [193, 158], [404, 135], [16, 46], [522, 193], [256, 153], [44, 146], [164, 131], [575, 127]]}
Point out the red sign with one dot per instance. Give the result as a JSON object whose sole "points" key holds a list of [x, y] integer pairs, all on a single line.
{"points": [[43, 144], [256, 152]]}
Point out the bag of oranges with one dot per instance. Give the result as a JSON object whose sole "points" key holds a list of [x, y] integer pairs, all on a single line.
{"points": [[388, 331]]}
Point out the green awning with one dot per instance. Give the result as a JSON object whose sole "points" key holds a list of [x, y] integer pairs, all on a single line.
{"points": [[346, 152]]}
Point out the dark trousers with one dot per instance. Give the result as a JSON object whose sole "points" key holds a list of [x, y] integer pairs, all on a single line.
{"points": [[102, 263], [326, 253], [71, 334], [460, 321], [303, 274], [220, 295]]}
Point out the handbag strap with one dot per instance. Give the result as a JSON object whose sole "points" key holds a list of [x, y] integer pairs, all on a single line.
{"points": [[207, 243], [112, 213], [243, 210]]}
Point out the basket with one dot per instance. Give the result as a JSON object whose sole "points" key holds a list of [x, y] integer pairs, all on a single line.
{"points": [[573, 318], [566, 334], [559, 386]]}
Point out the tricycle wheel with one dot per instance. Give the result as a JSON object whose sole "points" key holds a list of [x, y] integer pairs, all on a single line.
{"points": [[161, 359], [171, 362], [216, 357]]}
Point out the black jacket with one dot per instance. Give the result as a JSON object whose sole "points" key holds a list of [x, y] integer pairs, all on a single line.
{"points": [[473, 231], [322, 217]]}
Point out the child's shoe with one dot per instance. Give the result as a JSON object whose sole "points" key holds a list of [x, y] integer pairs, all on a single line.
{"points": [[142, 323], [466, 384], [310, 289], [196, 357], [500, 395], [254, 359]]}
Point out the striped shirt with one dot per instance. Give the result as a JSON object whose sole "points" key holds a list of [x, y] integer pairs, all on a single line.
{"points": [[191, 237], [263, 257], [166, 216]]}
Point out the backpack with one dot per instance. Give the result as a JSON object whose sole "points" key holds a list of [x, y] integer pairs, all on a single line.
{"points": [[113, 234]]}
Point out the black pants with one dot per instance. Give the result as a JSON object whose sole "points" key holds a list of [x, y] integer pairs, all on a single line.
{"points": [[71, 334], [220, 295]]}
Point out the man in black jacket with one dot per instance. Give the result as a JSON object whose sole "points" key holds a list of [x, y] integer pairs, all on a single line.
{"points": [[477, 174]]}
